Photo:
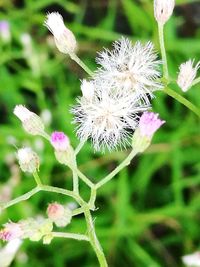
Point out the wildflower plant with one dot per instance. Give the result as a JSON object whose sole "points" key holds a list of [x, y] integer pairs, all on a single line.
{"points": [[113, 112]]}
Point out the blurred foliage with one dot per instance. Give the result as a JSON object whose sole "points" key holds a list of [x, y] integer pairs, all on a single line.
{"points": [[148, 216]]}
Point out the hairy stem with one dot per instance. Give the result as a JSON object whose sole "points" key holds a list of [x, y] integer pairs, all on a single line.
{"points": [[81, 63], [92, 198], [163, 51], [182, 100], [37, 179], [75, 181], [70, 235], [79, 147], [93, 239], [123, 164], [65, 192], [21, 198], [84, 178]]}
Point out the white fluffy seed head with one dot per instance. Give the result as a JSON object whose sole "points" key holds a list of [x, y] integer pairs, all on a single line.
{"points": [[31, 122], [87, 89], [163, 10], [64, 38], [187, 74], [28, 160], [130, 67], [109, 119]]}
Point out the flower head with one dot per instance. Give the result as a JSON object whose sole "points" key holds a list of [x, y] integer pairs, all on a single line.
{"points": [[59, 214], [11, 231], [133, 68], [187, 73], [149, 123], [31, 122], [64, 38], [109, 118], [163, 10], [60, 141], [28, 160]]}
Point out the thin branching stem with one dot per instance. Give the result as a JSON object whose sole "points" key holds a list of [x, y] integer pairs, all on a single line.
{"points": [[81, 63], [123, 164], [182, 100], [70, 235], [163, 51]]}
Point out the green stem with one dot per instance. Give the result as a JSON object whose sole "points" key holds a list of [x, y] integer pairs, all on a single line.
{"points": [[197, 80], [62, 191], [182, 100], [123, 164], [78, 211], [81, 63], [21, 198], [79, 147], [93, 239], [75, 181], [70, 235], [92, 198], [163, 51], [37, 179], [85, 179], [46, 136]]}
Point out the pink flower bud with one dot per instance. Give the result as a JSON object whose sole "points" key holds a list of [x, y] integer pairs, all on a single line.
{"points": [[11, 231], [60, 141], [55, 211], [59, 214], [149, 123]]}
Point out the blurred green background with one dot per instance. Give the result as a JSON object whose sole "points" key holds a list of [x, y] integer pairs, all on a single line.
{"points": [[148, 216]]}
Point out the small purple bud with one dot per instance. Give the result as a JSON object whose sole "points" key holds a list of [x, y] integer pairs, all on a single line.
{"points": [[60, 141], [149, 123]]}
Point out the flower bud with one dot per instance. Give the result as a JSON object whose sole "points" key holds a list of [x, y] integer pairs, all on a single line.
{"points": [[187, 74], [163, 10], [31, 122], [64, 38], [59, 214], [149, 123], [60, 141], [36, 229], [11, 231], [64, 153], [28, 160], [87, 89]]}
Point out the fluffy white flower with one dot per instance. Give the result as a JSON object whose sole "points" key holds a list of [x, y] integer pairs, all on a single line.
{"points": [[134, 68], [108, 118], [187, 74]]}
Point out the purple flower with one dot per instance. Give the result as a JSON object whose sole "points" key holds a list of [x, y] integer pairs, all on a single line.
{"points": [[149, 123], [60, 141]]}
